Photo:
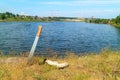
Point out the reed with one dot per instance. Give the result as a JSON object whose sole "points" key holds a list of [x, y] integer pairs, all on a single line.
{"points": [[102, 66]]}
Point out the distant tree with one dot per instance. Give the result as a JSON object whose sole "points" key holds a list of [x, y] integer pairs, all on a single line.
{"points": [[8, 14], [117, 20], [3, 16], [17, 15], [36, 17]]}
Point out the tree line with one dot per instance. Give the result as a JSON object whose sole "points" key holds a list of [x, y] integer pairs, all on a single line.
{"points": [[99, 21], [115, 21], [7, 16]]}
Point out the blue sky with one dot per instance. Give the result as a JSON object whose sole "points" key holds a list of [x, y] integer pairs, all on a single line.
{"points": [[68, 8]]}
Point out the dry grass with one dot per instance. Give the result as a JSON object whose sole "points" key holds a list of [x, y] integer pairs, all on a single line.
{"points": [[104, 66]]}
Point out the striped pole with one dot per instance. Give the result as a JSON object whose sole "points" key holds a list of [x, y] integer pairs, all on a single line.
{"points": [[34, 44]]}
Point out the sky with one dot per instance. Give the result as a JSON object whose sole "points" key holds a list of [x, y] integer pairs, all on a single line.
{"points": [[66, 8]]}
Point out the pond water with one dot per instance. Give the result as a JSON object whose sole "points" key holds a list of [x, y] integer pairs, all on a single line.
{"points": [[78, 37]]}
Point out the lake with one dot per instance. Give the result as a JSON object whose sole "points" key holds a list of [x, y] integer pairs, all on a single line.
{"points": [[78, 37]]}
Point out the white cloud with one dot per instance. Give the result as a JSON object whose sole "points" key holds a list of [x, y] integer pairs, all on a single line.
{"points": [[53, 3], [18, 0], [98, 13], [82, 3]]}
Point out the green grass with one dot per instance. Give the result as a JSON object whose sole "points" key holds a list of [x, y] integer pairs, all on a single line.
{"points": [[104, 66]]}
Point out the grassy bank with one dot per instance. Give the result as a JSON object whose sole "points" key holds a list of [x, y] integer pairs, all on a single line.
{"points": [[104, 66]]}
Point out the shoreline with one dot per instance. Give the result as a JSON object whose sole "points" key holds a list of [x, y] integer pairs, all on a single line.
{"points": [[114, 25]]}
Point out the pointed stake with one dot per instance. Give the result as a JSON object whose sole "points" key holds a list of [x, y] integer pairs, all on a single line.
{"points": [[34, 44]]}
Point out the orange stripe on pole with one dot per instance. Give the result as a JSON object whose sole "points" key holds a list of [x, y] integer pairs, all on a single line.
{"points": [[39, 31]]}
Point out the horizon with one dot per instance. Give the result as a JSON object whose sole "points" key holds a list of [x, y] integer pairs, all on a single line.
{"points": [[61, 8]]}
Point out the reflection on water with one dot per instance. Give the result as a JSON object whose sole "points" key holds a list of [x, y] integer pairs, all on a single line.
{"points": [[58, 36]]}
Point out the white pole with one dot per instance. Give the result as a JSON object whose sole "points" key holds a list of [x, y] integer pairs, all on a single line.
{"points": [[34, 44]]}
